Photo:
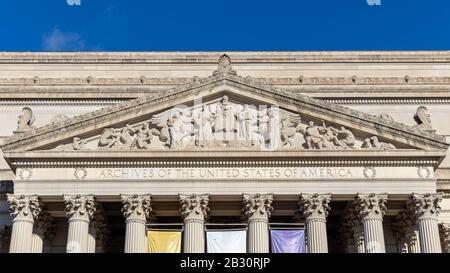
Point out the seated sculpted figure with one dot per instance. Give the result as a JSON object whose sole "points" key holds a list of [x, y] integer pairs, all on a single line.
{"points": [[108, 139], [313, 136]]}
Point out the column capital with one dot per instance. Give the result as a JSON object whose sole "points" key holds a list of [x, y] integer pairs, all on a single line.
{"points": [[425, 205], [371, 205], [23, 206], [194, 206], [79, 205], [257, 206], [136, 206], [314, 205]]}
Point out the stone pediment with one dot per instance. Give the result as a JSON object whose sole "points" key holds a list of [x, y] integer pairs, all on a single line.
{"points": [[224, 112]]}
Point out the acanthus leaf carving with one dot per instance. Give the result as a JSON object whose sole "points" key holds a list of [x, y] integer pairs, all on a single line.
{"points": [[23, 206], [425, 205], [314, 205], [257, 206], [194, 206], [79, 206], [135, 205], [371, 205]]}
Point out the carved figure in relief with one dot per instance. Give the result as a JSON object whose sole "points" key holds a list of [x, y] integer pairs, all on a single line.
{"points": [[247, 125], [313, 136], [26, 120], [225, 116], [79, 144], [290, 125], [203, 127], [108, 139], [423, 119], [344, 138], [374, 143], [144, 137]]}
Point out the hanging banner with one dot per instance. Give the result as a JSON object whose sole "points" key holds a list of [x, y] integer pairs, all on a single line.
{"points": [[233, 241], [287, 240], [164, 241]]}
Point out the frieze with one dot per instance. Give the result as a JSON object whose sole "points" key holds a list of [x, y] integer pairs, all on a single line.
{"points": [[228, 173]]}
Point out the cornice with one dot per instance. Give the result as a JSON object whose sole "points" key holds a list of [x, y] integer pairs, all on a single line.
{"points": [[300, 81], [238, 57], [246, 84], [57, 159]]}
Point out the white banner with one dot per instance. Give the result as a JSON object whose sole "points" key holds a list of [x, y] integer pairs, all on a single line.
{"points": [[234, 241]]}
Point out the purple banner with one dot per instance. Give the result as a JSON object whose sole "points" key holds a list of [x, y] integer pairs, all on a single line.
{"points": [[287, 240]]}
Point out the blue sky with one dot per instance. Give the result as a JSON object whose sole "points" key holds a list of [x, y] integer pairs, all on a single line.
{"points": [[191, 25]]}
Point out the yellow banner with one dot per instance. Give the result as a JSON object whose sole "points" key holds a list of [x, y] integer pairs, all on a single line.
{"points": [[164, 241]]}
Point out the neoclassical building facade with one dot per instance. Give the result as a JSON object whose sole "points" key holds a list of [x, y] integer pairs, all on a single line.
{"points": [[351, 146]]}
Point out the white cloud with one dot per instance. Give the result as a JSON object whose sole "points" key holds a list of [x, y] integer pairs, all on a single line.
{"points": [[73, 2], [58, 40]]}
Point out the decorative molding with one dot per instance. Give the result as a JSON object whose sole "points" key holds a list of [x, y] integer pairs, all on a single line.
{"points": [[381, 100], [80, 173], [425, 205], [257, 206], [314, 205], [135, 205], [371, 205], [57, 102], [23, 206], [423, 172], [25, 173], [194, 206], [170, 162], [79, 205], [370, 172]]}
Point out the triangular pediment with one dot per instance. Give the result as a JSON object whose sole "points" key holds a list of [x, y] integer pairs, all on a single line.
{"points": [[225, 112]]}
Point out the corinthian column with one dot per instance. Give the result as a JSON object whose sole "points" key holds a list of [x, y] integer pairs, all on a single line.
{"points": [[426, 209], [79, 211], [371, 208], [136, 210], [257, 209], [315, 209], [24, 209], [194, 210]]}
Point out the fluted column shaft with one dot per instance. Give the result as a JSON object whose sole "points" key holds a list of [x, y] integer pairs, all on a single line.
{"points": [[194, 210], [135, 238], [426, 208], [257, 209], [413, 241], [136, 210], [373, 235], [21, 235], [79, 211], [37, 243], [371, 209], [24, 210], [429, 235], [315, 208]]}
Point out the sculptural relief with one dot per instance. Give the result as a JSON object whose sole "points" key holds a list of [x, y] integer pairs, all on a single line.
{"points": [[26, 120], [423, 119], [222, 123], [374, 143]]}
